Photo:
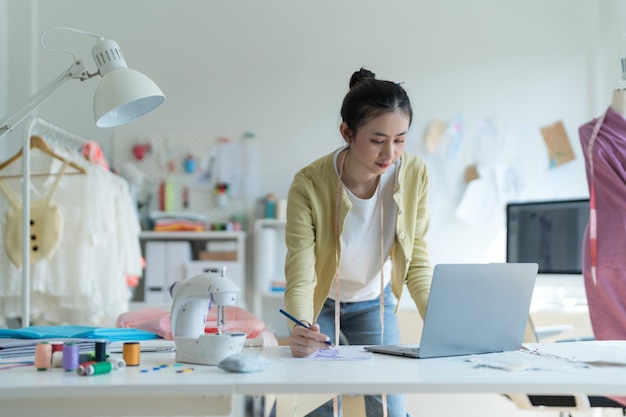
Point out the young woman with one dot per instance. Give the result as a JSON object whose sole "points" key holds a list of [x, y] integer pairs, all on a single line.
{"points": [[356, 225]]}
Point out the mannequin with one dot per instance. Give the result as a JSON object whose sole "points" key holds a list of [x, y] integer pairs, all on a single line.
{"points": [[604, 269], [619, 101]]}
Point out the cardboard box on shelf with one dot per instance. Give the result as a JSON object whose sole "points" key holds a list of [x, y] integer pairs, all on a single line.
{"points": [[206, 255]]}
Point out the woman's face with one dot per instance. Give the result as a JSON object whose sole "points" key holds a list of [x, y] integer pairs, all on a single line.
{"points": [[378, 143]]}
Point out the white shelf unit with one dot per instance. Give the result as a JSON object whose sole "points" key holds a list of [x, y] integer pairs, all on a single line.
{"points": [[189, 264], [269, 266]]}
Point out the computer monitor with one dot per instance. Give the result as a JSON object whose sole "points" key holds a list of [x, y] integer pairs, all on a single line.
{"points": [[549, 233]]}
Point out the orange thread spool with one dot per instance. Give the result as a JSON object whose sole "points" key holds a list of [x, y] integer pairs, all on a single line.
{"points": [[130, 353], [43, 356]]}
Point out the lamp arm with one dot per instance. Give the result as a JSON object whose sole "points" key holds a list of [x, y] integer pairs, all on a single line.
{"points": [[75, 71]]}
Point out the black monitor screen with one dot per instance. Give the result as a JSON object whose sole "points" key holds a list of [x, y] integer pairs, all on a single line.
{"points": [[549, 233]]}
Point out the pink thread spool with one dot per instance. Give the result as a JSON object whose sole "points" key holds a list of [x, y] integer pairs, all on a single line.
{"points": [[43, 356]]}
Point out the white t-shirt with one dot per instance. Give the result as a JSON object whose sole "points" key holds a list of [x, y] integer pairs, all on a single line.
{"points": [[360, 263]]}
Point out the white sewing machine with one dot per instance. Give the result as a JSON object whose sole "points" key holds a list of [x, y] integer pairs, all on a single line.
{"points": [[192, 299]]}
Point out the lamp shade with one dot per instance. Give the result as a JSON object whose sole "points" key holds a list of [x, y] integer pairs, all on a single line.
{"points": [[124, 95]]}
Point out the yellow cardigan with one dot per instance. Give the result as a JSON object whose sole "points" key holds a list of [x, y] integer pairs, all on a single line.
{"points": [[310, 235]]}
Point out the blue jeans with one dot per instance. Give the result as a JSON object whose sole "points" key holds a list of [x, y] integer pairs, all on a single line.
{"points": [[360, 325]]}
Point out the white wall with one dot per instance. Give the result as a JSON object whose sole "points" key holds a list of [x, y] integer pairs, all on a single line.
{"points": [[280, 68], [20, 69], [4, 100]]}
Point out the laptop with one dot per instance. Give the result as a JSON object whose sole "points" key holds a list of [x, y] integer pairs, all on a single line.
{"points": [[473, 308]]}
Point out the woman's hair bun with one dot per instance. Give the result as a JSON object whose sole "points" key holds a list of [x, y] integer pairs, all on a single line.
{"points": [[361, 75]]}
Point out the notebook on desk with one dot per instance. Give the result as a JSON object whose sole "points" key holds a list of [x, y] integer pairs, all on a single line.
{"points": [[473, 308]]}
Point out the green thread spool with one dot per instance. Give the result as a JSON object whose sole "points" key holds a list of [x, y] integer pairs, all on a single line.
{"points": [[98, 368]]}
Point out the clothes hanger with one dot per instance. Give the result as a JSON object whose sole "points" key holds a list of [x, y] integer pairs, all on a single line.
{"points": [[37, 142]]}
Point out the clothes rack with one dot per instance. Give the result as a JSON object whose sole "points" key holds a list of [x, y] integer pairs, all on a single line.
{"points": [[86, 281]]}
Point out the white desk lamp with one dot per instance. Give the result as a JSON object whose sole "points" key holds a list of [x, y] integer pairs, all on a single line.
{"points": [[122, 96]]}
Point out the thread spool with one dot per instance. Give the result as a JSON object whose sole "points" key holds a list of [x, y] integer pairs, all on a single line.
{"points": [[43, 356], [118, 363], [130, 353], [98, 368], [100, 354], [57, 346], [70, 356], [57, 359], [82, 368], [85, 357]]}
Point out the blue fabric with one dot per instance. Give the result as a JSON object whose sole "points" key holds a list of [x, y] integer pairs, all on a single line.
{"points": [[360, 325], [83, 332]]}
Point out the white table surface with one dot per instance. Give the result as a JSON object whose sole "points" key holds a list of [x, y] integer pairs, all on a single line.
{"points": [[144, 390]]}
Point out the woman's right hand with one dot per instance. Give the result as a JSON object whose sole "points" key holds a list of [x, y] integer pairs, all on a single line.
{"points": [[306, 341]]}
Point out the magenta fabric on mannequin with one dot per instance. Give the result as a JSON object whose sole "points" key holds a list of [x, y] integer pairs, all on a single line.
{"points": [[607, 299]]}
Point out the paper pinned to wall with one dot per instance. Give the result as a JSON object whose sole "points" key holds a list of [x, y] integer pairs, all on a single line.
{"points": [[471, 173], [485, 194], [455, 130], [434, 132], [559, 147], [479, 200]]}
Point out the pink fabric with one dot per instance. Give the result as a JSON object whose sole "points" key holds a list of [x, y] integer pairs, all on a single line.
{"points": [[607, 299], [93, 152], [158, 321], [150, 319]]}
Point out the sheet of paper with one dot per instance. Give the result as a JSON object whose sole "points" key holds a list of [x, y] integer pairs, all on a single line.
{"points": [[596, 352], [336, 353], [555, 356], [521, 360]]}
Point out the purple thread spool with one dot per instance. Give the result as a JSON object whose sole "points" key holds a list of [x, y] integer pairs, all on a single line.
{"points": [[70, 357]]}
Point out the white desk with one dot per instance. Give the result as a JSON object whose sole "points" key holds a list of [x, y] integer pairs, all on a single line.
{"points": [[209, 391], [128, 392]]}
